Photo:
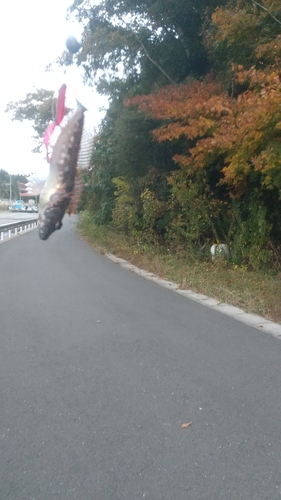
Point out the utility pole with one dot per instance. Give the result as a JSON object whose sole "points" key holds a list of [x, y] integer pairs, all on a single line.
{"points": [[10, 189]]}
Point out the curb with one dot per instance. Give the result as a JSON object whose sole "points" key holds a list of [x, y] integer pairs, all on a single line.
{"points": [[258, 322]]}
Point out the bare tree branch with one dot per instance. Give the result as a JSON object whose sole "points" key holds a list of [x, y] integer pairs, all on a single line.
{"points": [[266, 10], [144, 48], [152, 60]]}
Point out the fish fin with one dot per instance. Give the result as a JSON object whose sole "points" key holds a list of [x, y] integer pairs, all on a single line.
{"points": [[60, 107], [79, 105], [51, 133], [76, 194], [33, 187], [86, 146], [47, 139]]}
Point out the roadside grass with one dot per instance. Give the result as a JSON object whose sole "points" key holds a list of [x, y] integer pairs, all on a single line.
{"points": [[257, 292]]}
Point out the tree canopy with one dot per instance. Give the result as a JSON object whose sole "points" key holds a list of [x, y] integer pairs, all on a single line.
{"points": [[5, 180], [153, 42], [37, 107], [189, 152]]}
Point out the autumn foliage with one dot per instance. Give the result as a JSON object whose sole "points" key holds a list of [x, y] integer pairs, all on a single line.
{"points": [[243, 133], [184, 165], [189, 151]]}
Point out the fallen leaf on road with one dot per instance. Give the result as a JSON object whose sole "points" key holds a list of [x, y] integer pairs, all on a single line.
{"points": [[185, 426]]}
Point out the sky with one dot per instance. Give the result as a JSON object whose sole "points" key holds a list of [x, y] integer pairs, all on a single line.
{"points": [[32, 35]]}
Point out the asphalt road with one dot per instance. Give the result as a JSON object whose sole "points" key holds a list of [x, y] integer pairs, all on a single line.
{"points": [[99, 369], [6, 217]]}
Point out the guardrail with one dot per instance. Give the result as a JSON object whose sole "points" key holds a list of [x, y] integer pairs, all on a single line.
{"points": [[15, 228]]}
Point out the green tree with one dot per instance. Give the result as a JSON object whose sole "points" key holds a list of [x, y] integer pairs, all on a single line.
{"points": [[152, 42], [131, 48], [5, 179], [38, 108]]}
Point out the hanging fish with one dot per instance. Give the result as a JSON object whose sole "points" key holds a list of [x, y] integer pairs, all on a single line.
{"points": [[61, 191]]}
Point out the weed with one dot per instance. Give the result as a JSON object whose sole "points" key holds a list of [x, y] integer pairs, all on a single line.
{"points": [[256, 291]]}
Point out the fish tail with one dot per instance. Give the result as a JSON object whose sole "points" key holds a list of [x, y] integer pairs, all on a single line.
{"points": [[81, 106]]}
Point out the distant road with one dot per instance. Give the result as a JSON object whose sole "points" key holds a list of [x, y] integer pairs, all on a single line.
{"points": [[6, 217], [100, 368]]}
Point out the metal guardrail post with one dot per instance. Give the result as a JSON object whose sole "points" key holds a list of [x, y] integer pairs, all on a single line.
{"points": [[17, 227]]}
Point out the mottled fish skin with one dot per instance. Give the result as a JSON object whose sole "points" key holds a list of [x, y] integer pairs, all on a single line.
{"points": [[59, 188]]}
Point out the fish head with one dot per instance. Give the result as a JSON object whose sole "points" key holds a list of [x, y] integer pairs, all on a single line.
{"points": [[50, 221]]}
